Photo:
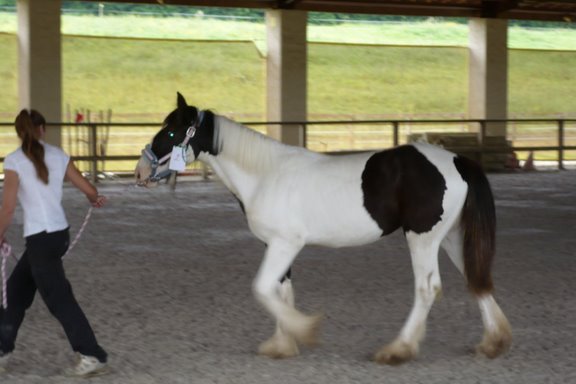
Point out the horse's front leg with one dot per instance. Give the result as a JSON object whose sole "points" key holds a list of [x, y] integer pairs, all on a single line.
{"points": [[277, 299], [282, 344]]}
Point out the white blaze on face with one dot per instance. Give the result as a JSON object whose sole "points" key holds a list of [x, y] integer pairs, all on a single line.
{"points": [[190, 156]]}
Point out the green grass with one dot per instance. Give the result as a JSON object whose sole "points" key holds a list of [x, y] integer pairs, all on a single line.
{"points": [[138, 78], [542, 83], [368, 80], [428, 32]]}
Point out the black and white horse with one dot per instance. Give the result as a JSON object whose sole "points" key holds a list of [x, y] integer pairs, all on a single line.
{"points": [[293, 197]]}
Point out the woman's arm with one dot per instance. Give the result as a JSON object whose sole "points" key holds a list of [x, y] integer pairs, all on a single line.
{"points": [[75, 177], [9, 199]]}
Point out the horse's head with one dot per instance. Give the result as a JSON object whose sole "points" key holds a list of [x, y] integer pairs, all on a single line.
{"points": [[185, 126]]}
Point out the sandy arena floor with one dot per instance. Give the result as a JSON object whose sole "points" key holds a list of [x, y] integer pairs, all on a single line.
{"points": [[165, 279]]}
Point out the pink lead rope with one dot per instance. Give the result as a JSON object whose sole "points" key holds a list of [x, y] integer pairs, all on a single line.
{"points": [[86, 219], [6, 251]]}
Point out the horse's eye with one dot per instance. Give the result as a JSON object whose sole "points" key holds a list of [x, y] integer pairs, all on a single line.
{"points": [[171, 134]]}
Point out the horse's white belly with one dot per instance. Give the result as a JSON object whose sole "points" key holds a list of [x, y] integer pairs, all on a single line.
{"points": [[324, 223], [322, 208], [342, 228]]}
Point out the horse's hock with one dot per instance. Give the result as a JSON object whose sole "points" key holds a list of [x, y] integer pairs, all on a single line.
{"points": [[493, 154]]}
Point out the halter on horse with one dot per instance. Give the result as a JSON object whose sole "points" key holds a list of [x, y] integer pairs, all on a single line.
{"points": [[155, 163], [293, 197]]}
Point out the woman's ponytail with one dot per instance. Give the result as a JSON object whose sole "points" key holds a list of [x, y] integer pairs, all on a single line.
{"points": [[28, 129]]}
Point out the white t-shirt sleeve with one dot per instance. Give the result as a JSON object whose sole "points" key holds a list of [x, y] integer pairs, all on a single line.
{"points": [[10, 164], [65, 160]]}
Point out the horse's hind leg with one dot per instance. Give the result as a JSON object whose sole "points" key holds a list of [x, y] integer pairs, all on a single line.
{"points": [[277, 260], [424, 252], [281, 344], [497, 333]]}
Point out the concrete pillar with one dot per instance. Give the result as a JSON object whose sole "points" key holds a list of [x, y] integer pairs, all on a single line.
{"points": [[488, 72], [39, 61], [286, 79]]}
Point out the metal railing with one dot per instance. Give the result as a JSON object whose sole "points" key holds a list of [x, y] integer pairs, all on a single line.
{"points": [[93, 154]]}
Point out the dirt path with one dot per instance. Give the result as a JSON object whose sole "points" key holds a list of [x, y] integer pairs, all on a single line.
{"points": [[165, 278]]}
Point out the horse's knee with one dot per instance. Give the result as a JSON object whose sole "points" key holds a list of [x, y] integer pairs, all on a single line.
{"points": [[430, 294], [287, 292], [261, 289], [428, 288]]}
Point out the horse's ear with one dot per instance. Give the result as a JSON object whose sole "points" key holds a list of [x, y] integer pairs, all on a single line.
{"points": [[181, 102]]}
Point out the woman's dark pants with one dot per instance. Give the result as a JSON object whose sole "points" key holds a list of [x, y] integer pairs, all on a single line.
{"points": [[40, 268]]}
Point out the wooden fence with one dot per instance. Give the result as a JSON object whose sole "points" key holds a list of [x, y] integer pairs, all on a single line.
{"points": [[103, 149]]}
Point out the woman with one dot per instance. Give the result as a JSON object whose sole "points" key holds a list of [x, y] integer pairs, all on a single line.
{"points": [[33, 175]]}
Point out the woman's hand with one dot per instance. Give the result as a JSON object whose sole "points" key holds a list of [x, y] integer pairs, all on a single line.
{"points": [[98, 201], [76, 178]]}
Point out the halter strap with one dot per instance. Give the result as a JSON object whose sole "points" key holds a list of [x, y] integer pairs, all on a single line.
{"points": [[155, 162], [191, 131]]}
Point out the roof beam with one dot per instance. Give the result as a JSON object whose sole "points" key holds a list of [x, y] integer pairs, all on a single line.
{"points": [[201, 3], [287, 4], [388, 8], [494, 8]]}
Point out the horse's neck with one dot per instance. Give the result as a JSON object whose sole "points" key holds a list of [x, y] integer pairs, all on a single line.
{"points": [[248, 149], [223, 171], [245, 156]]}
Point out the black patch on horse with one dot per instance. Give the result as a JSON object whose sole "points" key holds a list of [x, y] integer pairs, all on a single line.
{"points": [[173, 131], [177, 123], [402, 188], [203, 140]]}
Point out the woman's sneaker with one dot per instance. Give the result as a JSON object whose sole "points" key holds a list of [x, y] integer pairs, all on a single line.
{"points": [[86, 366], [4, 357]]}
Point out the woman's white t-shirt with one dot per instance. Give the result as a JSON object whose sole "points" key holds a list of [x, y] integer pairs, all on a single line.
{"points": [[41, 203]]}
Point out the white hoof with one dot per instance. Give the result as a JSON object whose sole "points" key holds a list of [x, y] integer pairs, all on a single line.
{"points": [[305, 329], [279, 346], [495, 344], [396, 353]]}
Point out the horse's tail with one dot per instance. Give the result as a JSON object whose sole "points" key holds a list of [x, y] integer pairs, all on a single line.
{"points": [[479, 226]]}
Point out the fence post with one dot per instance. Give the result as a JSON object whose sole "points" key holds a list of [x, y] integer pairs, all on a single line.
{"points": [[395, 133], [481, 140], [561, 144], [305, 135], [93, 152]]}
